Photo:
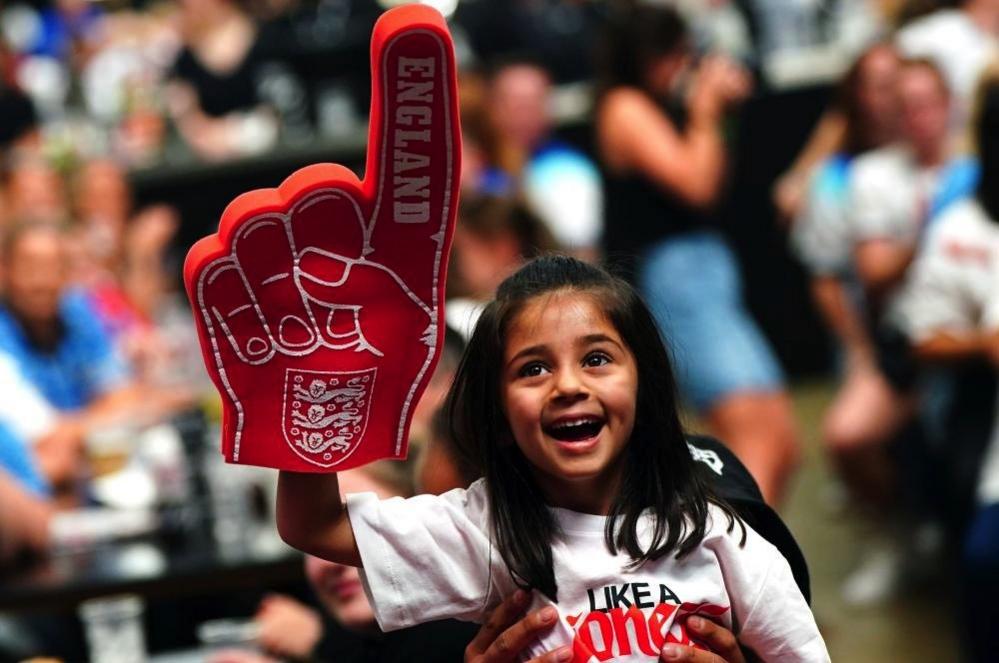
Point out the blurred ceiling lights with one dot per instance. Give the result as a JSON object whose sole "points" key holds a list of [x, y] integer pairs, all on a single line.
{"points": [[445, 7]]}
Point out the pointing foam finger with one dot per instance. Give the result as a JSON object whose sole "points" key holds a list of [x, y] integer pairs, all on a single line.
{"points": [[414, 145]]}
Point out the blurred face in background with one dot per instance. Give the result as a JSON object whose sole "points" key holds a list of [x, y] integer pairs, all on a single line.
{"points": [[924, 104], [520, 96], [876, 93], [34, 276], [337, 586], [481, 260], [103, 202], [36, 192]]}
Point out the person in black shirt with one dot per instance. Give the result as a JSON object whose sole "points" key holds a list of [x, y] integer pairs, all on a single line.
{"points": [[212, 96]]}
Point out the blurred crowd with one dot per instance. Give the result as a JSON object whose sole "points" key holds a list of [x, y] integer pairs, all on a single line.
{"points": [[891, 207]]}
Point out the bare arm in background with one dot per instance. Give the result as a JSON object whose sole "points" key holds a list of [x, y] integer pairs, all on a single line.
{"points": [[636, 136], [790, 188]]}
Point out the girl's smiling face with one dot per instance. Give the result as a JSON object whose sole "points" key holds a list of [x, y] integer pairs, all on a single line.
{"points": [[569, 387]]}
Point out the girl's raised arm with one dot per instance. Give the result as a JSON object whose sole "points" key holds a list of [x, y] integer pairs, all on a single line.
{"points": [[312, 517]]}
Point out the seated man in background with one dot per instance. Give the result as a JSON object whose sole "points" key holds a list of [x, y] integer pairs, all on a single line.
{"points": [[56, 342]]}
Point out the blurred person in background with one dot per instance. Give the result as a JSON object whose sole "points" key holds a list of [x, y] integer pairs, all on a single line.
{"points": [[34, 189], [950, 312], [54, 338], [895, 193], [559, 183], [68, 30], [126, 250], [120, 261], [659, 135], [482, 149], [961, 40], [493, 238], [20, 125], [821, 234], [212, 94], [49, 330]]}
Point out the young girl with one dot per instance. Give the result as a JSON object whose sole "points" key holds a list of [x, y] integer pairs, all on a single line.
{"points": [[565, 402]]}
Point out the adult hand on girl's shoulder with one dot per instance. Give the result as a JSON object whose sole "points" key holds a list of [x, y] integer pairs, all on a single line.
{"points": [[721, 641], [508, 631]]}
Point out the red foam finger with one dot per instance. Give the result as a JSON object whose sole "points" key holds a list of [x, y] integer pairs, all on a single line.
{"points": [[341, 280], [414, 150]]}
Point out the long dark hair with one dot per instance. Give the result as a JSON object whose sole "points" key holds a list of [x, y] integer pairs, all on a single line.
{"points": [[636, 35], [658, 472], [859, 135]]}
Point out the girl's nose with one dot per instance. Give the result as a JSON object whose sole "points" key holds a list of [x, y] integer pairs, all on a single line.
{"points": [[568, 384]]}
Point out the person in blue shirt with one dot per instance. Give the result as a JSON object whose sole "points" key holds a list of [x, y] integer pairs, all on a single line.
{"points": [[49, 329], [57, 343]]}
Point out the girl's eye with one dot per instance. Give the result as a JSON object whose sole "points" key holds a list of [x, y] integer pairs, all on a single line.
{"points": [[595, 359], [530, 370]]}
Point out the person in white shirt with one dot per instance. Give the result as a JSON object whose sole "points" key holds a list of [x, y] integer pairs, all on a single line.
{"points": [[961, 41], [589, 499], [893, 193], [950, 311], [822, 237]]}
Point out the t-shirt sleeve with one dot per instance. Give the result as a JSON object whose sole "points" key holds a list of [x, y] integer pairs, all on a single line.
{"points": [[935, 299], [769, 614], [869, 205], [820, 235], [779, 625], [424, 558]]}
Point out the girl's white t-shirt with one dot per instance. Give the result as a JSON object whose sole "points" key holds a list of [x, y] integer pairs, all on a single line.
{"points": [[431, 557]]}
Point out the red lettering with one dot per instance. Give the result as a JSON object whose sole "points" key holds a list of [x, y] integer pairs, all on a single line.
{"points": [[621, 618], [618, 632], [585, 634], [659, 623]]}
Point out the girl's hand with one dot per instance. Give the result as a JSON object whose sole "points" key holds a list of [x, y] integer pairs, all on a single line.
{"points": [[508, 632], [721, 641]]}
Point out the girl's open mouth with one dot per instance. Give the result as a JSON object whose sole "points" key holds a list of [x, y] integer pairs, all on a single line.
{"points": [[575, 429]]}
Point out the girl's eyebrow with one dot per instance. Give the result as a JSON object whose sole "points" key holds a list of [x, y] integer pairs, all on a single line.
{"points": [[532, 350], [590, 339]]}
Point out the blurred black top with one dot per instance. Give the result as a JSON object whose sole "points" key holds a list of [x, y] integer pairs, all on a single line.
{"points": [[18, 115]]}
